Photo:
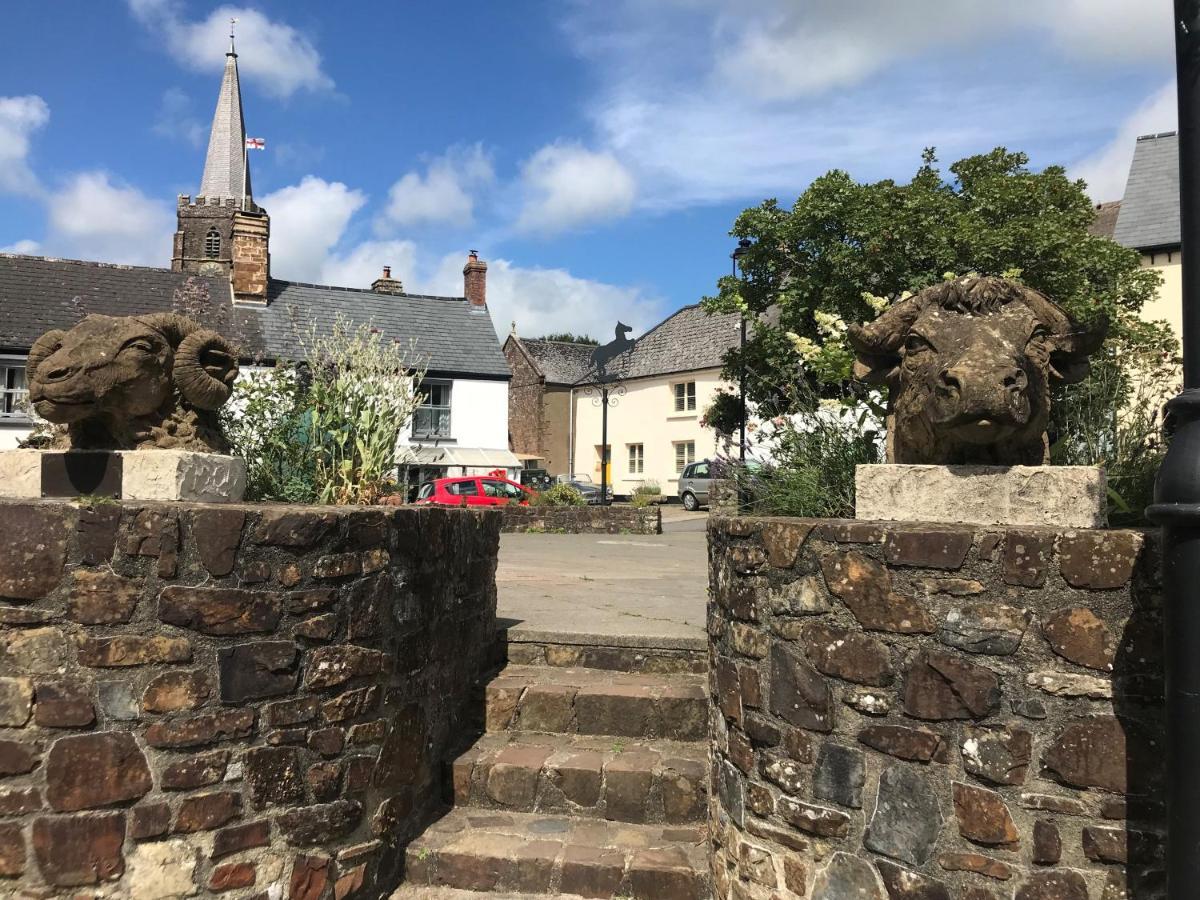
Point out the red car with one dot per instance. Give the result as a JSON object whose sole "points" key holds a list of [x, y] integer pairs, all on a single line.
{"points": [[473, 490]]}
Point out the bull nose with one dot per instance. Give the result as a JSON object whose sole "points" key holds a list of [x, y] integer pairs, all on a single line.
{"points": [[949, 382]]}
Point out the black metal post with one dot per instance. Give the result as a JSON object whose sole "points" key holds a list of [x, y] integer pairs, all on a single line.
{"points": [[1177, 498], [604, 446], [742, 247]]}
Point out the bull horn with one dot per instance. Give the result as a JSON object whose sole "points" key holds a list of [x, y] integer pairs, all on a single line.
{"points": [[886, 335], [43, 347], [205, 368]]}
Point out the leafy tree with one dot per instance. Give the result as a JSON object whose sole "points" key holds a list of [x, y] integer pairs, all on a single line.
{"points": [[567, 338], [846, 249]]}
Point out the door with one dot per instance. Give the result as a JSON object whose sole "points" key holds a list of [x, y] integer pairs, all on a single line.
{"points": [[607, 457], [500, 492]]}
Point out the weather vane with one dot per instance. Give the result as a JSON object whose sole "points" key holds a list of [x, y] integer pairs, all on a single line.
{"points": [[232, 22]]}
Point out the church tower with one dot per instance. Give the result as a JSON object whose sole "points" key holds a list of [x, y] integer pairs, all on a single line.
{"points": [[223, 231]]}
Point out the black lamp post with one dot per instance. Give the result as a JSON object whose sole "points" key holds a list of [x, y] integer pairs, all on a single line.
{"points": [[1177, 498], [743, 248]]}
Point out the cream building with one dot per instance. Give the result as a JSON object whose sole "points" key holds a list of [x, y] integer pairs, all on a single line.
{"points": [[1147, 220], [654, 427]]}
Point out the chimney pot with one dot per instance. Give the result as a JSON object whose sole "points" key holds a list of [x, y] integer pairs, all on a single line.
{"points": [[387, 271]]}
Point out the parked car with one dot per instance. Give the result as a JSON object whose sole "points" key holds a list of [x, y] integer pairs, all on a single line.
{"points": [[536, 479], [585, 486], [693, 485], [472, 490]]}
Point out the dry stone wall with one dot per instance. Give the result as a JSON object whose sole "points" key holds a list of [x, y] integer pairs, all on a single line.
{"points": [[197, 698], [583, 519], [934, 712]]}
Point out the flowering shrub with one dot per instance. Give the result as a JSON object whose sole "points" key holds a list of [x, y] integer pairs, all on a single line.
{"points": [[325, 431], [559, 495]]}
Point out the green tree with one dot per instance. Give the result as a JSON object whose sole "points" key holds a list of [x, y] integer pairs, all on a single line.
{"points": [[566, 337], [845, 249]]}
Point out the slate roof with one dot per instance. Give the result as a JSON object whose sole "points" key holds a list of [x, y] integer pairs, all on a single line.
{"points": [[1105, 222], [40, 293], [1149, 216], [560, 362], [686, 341]]}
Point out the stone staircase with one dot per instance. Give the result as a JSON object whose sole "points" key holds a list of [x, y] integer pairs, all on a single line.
{"points": [[587, 782]]}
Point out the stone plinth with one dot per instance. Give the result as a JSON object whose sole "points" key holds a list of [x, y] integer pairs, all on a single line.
{"points": [[935, 711], [1051, 496], [123, 474], [198, 697]]}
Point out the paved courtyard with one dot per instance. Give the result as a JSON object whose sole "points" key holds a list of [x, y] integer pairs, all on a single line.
{"points": [[640, 590]]}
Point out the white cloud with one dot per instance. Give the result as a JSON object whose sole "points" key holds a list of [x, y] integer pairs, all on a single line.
{"points": [[93, 217], [27, 247], [1106, 170], [19, 118], [311, 222], [542, 301], [704, 103], [568, 186], [307, 221], [272, 55], [443, 195], [176, 121]]}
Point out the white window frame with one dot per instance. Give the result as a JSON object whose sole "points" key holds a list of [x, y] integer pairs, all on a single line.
{"points": [[684, 393], [439, 413], [13, 389], [637, 459], [685, 455]]}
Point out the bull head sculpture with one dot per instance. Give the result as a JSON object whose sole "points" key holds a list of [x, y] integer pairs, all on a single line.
{"points": [[133, 382], [969, 364]]}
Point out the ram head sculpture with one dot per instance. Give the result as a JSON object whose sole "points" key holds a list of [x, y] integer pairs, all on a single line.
{"points": [[969, 364], [133, 382]]}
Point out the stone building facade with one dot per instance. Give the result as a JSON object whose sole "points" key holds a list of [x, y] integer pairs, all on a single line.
{"points": [[541, 413], [198, 698], [935, 712]]}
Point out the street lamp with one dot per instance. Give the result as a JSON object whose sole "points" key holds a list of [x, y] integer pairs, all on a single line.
{"points": [[742, 249], [1177, 497]]}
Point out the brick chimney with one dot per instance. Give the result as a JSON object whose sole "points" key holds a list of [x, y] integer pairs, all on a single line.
{"points": [[251, 257], [475, 281], [386, 284]]}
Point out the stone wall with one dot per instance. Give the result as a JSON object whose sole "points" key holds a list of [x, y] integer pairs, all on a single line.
{"points": [[934, 712], [196, 698], [583, 519]]}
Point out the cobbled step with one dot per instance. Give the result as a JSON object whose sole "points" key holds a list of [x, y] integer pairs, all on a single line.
{"points": [[524, 853], [619, 779], [595, 701]]}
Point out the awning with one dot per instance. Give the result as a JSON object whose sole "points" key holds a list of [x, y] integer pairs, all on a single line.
{"points": [[467, 457]]}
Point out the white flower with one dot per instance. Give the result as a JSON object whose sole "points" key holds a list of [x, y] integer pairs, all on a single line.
{"points": [[829, 324]]}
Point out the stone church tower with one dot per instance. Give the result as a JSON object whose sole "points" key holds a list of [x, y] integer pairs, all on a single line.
{"points": [[223, 230]]}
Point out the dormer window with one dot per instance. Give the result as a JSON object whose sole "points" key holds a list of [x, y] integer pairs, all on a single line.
{"points": [[212, 243]]}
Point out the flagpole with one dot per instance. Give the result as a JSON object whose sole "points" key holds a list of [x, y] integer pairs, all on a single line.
{"points": [[245, 163]]}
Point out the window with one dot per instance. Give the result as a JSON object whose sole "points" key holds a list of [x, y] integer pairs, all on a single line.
{"points": [[637, 459], [463, 488], [685, 454], [212, 243], [432, 417], [12, 391], [685, 396], [507, 490], [700, 470]]}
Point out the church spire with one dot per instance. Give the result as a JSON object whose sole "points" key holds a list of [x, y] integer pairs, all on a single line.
{"points": [[226, 175]]}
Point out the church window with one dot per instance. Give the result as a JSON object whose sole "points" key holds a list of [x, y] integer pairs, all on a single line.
{"points": [[212, 243]]}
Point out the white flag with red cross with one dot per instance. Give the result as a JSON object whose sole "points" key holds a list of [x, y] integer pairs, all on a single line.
{"points": [[256, 144]]}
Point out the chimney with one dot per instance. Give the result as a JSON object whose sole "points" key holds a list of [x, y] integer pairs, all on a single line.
{"points": [[475, 281], [386, 284], [251, 257]]}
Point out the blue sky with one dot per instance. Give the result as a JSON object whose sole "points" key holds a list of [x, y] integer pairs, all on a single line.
{"points": [[595, 153]]}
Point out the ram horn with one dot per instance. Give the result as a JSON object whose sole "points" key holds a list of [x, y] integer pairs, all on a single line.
{"points": [[205, 369], [42, 348]]}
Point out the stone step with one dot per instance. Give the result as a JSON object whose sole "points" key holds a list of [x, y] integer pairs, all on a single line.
{"points": [[596, 701], [650, 655], [524, 853], [619, 779]]}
